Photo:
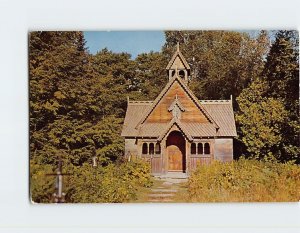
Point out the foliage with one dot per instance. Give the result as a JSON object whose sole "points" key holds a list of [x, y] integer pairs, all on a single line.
{"points": [[41, 185], [72, 109], [151, 75], [78, 103], [245, 181], [111, 183], [261, 119], [281, 72], [222, 62], [268, 115]]}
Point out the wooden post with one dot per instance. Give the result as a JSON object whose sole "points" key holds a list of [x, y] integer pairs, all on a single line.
{"points": [[59, 196]]}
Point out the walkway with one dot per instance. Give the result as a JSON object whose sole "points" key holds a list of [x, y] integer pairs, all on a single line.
{"points": [[168, 188]]}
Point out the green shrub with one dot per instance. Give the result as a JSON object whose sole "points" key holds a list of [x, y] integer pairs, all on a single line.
{"points": [[86, 184], [113, 183], [41, 186], [245, 181]]}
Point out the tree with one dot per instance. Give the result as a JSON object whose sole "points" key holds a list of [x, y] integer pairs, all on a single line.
{"points": [[223, 63], [268, 117], [281, 73], [76, 106], [261, 119], [151, 75], [56, 61]]}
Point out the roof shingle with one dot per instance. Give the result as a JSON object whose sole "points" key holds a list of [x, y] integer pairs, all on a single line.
{"points": [[220, 110]]}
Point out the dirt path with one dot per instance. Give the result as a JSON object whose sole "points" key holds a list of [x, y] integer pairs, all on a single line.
{"points": [[165, 190]]}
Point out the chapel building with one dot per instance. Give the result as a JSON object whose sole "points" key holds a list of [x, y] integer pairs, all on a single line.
{"points": [[176, 131]]}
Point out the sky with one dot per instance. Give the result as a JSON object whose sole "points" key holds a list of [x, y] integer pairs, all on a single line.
{"points": [[133, 42]]}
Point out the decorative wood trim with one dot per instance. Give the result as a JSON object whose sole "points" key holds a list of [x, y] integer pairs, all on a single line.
{"points": [[179, 54], [189, 93]]}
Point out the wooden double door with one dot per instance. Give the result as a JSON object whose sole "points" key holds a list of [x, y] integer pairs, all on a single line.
{"points": [[176, 152]]}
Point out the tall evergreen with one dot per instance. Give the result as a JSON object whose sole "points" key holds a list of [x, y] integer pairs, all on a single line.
{"points": [[275, 91], [281, 73]]}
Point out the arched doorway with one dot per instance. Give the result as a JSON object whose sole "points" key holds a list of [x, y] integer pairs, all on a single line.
{"points": [[176, 152]]}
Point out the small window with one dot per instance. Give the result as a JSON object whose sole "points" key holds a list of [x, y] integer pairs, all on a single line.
{"points": [[173, 73], [206, 148], [157, 148], [200, 148], [193, 148], [181, 74], [151, 148], [145, 148]]}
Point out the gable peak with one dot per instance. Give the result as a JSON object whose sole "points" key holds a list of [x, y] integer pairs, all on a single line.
{"points": [[178, 66]]}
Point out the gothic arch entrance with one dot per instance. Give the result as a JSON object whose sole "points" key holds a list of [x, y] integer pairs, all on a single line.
{"points": [[176, 152]]}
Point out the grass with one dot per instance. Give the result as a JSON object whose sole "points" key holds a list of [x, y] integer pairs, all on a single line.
{"points": [[245, 181], [179, 196]]}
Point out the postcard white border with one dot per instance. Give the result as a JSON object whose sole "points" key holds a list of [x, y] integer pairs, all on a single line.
{"points": [[19, 17]]}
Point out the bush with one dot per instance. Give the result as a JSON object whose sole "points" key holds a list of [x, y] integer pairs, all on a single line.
{"points": [[86, 184], [245, 181], [113, 183], [42, 186]]}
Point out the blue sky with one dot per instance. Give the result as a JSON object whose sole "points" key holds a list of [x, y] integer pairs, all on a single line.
{"points": [[133, 42]]}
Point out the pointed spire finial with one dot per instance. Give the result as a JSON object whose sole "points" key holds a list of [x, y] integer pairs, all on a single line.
{"points": [[177, 46]]}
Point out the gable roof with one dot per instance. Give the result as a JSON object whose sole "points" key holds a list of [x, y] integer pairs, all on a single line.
{"points": [[181, 57], [134, 113], [220, 110], [190, 94], [176, 122]]}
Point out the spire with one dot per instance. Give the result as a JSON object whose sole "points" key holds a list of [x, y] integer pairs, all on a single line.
{"points": [[178, 66]]}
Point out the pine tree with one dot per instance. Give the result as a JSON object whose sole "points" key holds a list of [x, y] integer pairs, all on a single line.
{"points": [[268, 116], [281, 73]]}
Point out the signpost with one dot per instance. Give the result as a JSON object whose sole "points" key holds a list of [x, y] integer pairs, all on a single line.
{"points": [[59, 196]]}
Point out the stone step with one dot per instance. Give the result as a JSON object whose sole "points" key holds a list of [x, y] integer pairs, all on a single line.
{"points": [[164, 190], [173, 175], [161, 195], [169, 181]]}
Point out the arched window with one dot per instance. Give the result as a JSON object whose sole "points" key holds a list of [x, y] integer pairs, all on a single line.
{"points": [[151, 148], [145, 148], [200, 148], [172, 73], [193, 148], [157, 148], [206, 148], [181, 74]]}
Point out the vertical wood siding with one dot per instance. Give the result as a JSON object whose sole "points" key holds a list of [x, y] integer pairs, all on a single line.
{"points": [[191, 113], [199, 160]]}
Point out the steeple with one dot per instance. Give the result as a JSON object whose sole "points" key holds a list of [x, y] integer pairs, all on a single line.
{"points": [[178, 66]]}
